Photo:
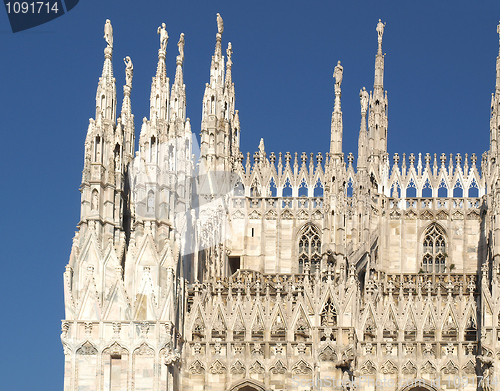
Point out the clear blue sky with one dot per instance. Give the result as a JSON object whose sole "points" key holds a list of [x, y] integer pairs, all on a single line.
{"points": [[440, 72]]}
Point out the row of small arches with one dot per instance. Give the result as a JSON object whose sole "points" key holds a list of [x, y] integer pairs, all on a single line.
{"points": [[272, 190]]}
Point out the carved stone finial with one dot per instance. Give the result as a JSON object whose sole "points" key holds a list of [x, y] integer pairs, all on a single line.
{"points": [[108, 33], [220, 24], [129, 71], [162, 31]]}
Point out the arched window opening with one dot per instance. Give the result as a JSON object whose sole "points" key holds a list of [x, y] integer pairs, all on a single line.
{"points": [[152, 150], [239, 189], [370, 331], [473, 190], [390, 332], [442, 190], [278, 330], [349, 189], [411, 191], [449, 330], [434, 250], [273, 192], [318, 189], [117, 153], [301, 330], [470, 332], [329, 315], [97, 152], [303, 190], [287, 189], [257, 331], [309, 249], [458, 192], [427, 189], [254, 190], [396, 191]]}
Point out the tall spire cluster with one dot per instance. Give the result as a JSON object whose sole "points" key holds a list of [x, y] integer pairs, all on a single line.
{"points": [[220, 132]]}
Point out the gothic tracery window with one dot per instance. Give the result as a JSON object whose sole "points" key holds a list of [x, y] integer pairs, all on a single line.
{"points": [[309, 248], [434, 250]]}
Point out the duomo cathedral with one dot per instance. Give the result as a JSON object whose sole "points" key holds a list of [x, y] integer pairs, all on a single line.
{"points": [[197, 266]]}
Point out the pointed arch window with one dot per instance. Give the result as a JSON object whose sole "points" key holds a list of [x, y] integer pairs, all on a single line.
{"points": [[434, 250], [309, 248]]}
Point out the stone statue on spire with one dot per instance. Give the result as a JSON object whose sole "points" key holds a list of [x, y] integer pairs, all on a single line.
{"points": [[261, 146], [108, 33], [338, 74], [498, 30], [363, 99], [180, 45], [129, 71], [162, 31], [380, 31], [220, 24], [229, 52]]}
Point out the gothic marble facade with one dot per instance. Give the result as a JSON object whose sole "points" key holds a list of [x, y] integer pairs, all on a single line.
{"points": [[211, 269]]}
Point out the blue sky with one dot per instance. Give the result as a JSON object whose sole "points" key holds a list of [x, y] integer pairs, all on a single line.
{"points": [[440, 73]]}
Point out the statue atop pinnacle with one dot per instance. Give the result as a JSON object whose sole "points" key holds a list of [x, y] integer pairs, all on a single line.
{"points": [[129, 71], [498, 31], [220, 24], [180, 45], [363, 99], [108, 33], [229, 52], [338, 74], [380, 31], [162, 31]]}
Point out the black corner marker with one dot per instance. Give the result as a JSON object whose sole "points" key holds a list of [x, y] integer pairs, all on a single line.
{"points": [[24, 15]]}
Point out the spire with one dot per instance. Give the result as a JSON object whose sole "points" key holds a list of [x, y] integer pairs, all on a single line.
{"points": [[220, 124], [362, 140], [212, 126], [497, 89], [217, 67], [102, 185], [336, 124], [495, 107], [127, 88], [229, 64], [178, 93], [160, 86], [106, 88], [377, 119], [378, 85], [126, 119]]}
